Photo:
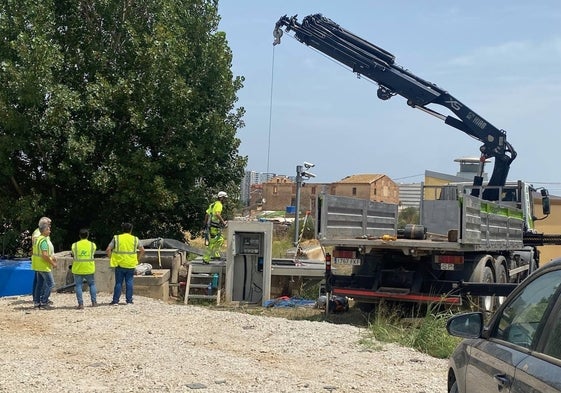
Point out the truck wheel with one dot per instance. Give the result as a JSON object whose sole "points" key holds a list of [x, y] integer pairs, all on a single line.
{"points": [[483, 273], [501, 276], [501, 279], [487, 303]]}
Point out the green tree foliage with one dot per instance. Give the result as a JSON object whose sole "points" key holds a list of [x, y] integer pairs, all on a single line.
{"points": [[112, 111], [409, 215]]}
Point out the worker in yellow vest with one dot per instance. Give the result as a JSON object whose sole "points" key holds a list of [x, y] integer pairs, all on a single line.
{"points": [[43, 221], [124, 252], [214, 224], [42, 262], [83, 267]]}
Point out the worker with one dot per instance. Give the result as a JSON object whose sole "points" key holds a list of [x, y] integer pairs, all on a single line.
{"points": [[42, 262], [34, 236], [124, 252], [83, 267], [214, 224]]}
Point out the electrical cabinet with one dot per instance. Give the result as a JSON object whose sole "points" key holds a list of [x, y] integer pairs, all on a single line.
{"points": [[248, 263], [249, 243]]}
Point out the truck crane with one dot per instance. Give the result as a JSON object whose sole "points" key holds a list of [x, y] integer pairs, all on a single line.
{"points": [[473, 239], [371, 61]]}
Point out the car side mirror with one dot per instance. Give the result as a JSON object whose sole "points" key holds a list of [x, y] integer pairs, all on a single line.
{"points": [[468, 325]]}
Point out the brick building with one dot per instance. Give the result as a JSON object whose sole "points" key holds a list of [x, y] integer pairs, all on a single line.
{"points": [[280, 192], [376, 187]]}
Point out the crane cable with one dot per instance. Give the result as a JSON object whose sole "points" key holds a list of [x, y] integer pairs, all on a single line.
{"points": [[270, 112]]}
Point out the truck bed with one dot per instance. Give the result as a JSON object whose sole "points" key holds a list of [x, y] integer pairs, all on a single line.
{"points": [[478, 225]]}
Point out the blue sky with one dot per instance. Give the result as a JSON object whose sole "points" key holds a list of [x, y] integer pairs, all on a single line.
{"points": [[502, 59]]}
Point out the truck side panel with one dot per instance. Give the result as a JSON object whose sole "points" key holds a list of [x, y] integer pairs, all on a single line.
{"points": [[439, 216], [502, 227], [473, 231], [350, 218], [485, 224]]}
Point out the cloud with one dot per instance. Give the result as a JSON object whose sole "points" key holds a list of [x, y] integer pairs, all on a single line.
{"points": [[514, 55]]}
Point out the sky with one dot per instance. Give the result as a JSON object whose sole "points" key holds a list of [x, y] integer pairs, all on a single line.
{"points": [[502, 59]]}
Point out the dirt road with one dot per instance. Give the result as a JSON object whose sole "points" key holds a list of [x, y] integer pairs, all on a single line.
{"points": [[156, 347]]}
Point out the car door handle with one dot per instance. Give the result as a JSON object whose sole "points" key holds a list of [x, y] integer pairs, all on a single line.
{"points": [[503, 380]]}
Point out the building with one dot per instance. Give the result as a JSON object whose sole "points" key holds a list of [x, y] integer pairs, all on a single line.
{"points": [[375, 187], [279, 193], [250, 178]]}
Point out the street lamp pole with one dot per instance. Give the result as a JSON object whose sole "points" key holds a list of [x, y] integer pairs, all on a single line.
{"points": [[297, 213]]}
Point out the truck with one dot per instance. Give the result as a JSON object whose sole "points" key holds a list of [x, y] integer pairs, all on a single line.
{"points": [[474, 240]]}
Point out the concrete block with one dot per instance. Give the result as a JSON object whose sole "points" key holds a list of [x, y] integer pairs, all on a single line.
{"points": [[160, 292], [104, 275], [172, 259]]}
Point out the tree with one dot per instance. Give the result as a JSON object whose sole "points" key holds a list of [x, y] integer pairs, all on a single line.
{"points": [[409, 215], [115, 111]]}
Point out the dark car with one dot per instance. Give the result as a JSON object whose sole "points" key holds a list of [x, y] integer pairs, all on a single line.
{"points": [[519, 350]]}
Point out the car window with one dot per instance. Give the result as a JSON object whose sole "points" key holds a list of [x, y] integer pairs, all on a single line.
{"points": [[521, 317], [553, 343]]}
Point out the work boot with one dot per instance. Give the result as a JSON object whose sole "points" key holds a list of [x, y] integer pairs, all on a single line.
{"points": [[80, 307]]}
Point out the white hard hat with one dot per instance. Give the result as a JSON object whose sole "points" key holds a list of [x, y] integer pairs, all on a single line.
{"points": [[222, 194]]}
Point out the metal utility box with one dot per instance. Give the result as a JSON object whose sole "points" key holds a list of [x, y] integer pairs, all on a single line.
{"points": [[248, 261]]}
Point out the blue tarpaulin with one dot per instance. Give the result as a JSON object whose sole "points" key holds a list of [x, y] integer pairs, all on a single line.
{"points": [[16, 277], [286, 301]]}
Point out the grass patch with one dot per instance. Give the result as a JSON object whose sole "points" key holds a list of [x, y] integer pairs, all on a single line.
{"points": [[280, 246], [425, 333]]}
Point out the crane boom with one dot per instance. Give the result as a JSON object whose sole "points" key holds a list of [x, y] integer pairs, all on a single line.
{"points": [[378, 65]]}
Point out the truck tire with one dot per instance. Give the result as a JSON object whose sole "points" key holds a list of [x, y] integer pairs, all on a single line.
{"points": [[483, 273], [487, 303], [502, 278]]}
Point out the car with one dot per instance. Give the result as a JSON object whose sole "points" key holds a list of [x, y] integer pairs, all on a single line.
{"points": [[519, 349]]}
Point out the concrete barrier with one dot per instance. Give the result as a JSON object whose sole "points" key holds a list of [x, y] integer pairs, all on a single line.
{"points": [[166, 265]]}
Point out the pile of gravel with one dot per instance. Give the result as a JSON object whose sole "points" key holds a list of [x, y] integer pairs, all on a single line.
{"points": [[152, 346]]}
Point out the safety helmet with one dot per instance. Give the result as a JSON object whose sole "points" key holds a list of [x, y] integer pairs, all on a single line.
{"points": [[222, 194]]}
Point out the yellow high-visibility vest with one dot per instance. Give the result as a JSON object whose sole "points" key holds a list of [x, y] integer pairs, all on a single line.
{"points": [[83, 252], [213, 209], [37, 262], [124, 251]]}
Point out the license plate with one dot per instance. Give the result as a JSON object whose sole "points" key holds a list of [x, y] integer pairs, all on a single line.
{"points": [[446, 266], [347, 261]]}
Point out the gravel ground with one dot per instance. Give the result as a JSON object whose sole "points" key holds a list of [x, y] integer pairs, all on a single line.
{"points": [[152, 346]]}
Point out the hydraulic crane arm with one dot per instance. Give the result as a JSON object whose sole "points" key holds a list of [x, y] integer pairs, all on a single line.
{"points": [[377, 64]]}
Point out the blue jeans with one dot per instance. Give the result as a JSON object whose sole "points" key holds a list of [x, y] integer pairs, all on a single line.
{"points": [[45, 284], [36, 291], [127, 275], [78, 280]]}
